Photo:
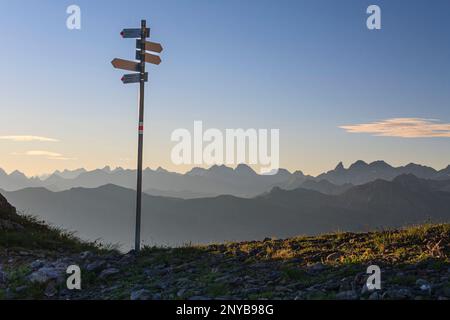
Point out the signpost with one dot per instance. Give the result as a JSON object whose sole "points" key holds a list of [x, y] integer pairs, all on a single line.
{"points": [[140, 77]]}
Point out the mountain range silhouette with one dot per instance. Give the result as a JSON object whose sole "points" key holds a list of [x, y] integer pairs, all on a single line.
{"points": [[241, 181]]}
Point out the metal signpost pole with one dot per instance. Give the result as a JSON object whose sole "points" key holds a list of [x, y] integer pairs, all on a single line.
{"points": [[142, 77], [137, 244]]}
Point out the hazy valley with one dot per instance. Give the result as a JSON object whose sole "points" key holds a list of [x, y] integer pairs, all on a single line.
{"points": [[225, 204]]}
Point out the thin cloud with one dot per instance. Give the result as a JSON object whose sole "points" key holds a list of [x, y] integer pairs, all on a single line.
{"points": [[42, 153], [403, 128], [61, 158], [28, 139]]}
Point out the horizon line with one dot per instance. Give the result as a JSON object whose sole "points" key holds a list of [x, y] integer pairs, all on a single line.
{"points": [[112, 168]]}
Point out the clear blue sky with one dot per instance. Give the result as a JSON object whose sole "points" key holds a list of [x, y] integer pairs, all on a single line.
{"points": [[305, 67]]}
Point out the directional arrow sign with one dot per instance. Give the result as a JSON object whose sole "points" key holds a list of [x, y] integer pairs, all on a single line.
{"points": [[150, 46], [134, 77], [134, 33], [150, 58], [125, 64]]}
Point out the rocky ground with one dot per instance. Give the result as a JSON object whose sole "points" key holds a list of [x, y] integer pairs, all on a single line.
{"points": [[414, 264]]}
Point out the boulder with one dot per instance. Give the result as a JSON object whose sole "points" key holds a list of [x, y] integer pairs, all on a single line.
{"points": [[45, 274]]}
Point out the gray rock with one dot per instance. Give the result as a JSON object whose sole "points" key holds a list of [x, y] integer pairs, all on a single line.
{"points": [[142, 294], [36, 264], [223, 278], [108, 272], [347, 295], [281, 288], [398, 294], [365, 290], [181, 292], [95, 266], [50, 290], [127, 259], [44, 275], [156, 296], [420, 282], [375, 296], [423, 285]]}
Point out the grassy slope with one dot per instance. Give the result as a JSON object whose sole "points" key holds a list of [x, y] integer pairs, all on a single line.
{"points": [[282, 268], [36, 235]]}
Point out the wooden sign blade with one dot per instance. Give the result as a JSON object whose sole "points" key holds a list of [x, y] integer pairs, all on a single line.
{"points": [[134, 78], [150, 58], [125, 64], [150, 46], [134, 33]]}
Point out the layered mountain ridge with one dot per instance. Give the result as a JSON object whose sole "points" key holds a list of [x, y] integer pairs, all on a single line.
{"points": [[241, 181]]}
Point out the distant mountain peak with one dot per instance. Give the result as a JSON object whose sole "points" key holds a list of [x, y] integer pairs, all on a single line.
{"points": [[67, 174], [282, 171], [161, 170], [107, 169], [17, 174], [412, 164], [196, 171], [358, 164], [340, 166], [380, 164], [220, 169], [244, 169], [298, 175]]}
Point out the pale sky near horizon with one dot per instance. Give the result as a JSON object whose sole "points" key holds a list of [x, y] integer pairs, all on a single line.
{"points": [[335, 90]]}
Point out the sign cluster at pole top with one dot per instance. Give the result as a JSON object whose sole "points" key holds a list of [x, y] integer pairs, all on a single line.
{"points": [[142, 46]]}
